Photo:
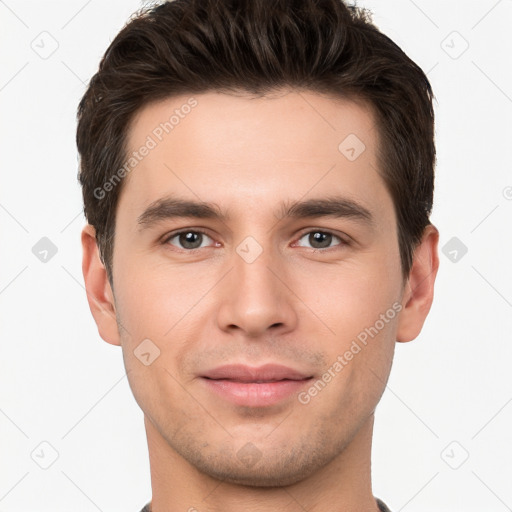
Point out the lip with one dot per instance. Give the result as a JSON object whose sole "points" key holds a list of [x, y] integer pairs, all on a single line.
{"points": [[255, 386]]}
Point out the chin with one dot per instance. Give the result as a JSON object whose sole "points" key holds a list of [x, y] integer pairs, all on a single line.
{"points": [[282, 470], [263, 477]]}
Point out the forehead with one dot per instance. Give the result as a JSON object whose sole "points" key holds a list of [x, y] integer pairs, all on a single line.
{"points": [[252, 151]]}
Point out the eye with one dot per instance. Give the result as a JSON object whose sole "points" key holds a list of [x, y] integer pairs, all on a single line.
{"points": [[192, 239], [188, 238], [321, 239]]}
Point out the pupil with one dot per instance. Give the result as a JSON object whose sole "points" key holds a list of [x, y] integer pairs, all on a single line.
{"points": [[323, 238], [187, 240]]}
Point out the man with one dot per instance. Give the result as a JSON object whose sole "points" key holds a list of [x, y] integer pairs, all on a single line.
{"points": [[258, 180]]}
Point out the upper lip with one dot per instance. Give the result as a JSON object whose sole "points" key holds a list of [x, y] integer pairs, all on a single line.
{"points": [[265, 373]]}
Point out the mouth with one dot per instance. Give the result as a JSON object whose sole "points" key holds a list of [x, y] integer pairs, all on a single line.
{"points": [[255, 386]]}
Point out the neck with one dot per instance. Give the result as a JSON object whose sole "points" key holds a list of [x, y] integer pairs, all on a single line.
{"points": [[343, 484]]}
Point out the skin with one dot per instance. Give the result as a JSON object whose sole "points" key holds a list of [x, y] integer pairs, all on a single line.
{"points": [[292, 306]]}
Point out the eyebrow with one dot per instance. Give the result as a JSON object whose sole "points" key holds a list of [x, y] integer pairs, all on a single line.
{"points": [[173, 207]]}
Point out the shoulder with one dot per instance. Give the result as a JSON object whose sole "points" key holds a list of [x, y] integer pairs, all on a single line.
{"points": [[382, 506]]}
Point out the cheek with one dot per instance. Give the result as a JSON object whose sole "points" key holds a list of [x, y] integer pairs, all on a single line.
{"points": [[157, 306], [360, 304], [351, 297], [152, 299], [153, 315], [361, 309]]}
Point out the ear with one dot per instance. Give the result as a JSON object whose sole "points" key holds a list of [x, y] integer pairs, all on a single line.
{"points": [[419, 288], [97, 285]]}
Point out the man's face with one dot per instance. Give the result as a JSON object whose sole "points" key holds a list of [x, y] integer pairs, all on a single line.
{"points": [[257, 287]]}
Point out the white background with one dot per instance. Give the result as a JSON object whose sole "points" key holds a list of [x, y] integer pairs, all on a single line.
{"points": [[450, 392]]}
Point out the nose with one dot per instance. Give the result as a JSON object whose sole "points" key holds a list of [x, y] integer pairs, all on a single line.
{"points": [[256, 297]]}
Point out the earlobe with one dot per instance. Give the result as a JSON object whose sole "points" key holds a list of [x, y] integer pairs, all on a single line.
{"points": [[419, 289], [99, 291]]}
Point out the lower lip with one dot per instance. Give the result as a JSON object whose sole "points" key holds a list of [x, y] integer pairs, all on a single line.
{"points": [[252, 394]]}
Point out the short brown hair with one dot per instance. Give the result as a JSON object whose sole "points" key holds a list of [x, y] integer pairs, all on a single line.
{"points": [[258, 46]]}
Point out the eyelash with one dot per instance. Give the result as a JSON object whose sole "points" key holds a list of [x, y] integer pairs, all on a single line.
{"points": [[343, 241]]}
